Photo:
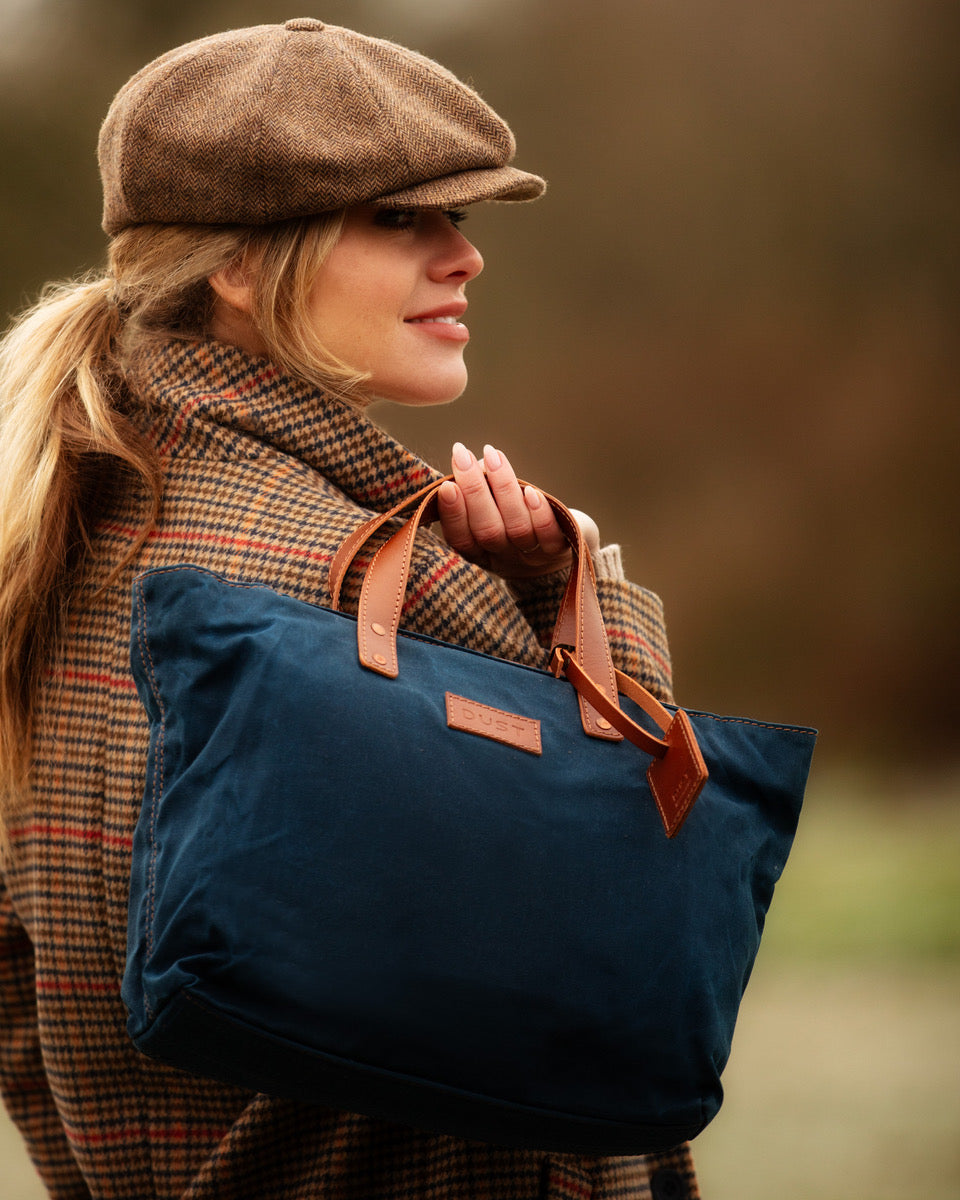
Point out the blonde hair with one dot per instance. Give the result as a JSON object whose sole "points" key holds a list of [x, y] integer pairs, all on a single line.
{"points": [[64, 432]]}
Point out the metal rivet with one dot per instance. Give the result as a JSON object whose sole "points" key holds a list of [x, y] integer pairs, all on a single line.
{"points": [[381, 659], [378, 629], [602, 724]]}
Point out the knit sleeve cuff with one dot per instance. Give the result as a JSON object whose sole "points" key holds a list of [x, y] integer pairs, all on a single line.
{"points": [[608, 563]]}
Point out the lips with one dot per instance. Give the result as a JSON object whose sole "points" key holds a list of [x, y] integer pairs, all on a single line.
{"points": [[448, 314], [442, 325]]}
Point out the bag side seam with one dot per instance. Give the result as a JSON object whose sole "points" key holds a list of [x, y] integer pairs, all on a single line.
{"points": [[157, 781]]}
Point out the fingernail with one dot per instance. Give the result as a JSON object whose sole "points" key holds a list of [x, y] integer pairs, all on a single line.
{"points": [[532, 497], [492, 458], [462, 456]]}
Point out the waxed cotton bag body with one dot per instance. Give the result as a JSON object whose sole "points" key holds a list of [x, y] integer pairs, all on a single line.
{"points": [[423, 891]]}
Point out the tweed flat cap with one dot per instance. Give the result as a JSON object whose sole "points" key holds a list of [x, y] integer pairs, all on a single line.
{"points": [[276, 121]]}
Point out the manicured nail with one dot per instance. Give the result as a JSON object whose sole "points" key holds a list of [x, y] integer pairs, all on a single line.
{"points": [[532, 497], [492, 458], [462, 456]]}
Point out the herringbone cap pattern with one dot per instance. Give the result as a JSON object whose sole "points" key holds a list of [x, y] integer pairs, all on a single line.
{"points": [[277, 121]]}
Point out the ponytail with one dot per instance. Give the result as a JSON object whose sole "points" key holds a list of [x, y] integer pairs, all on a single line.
{"points": [[59, 428], [64, 435]]}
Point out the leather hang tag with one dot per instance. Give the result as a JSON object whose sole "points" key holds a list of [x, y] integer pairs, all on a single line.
{"points": [[676, 779]]}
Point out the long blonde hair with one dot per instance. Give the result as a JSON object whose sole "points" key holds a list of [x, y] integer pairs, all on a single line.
{"points": [[63, 429]]}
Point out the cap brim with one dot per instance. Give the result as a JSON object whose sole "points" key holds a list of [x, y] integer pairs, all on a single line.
{"points": [[468, 187]]}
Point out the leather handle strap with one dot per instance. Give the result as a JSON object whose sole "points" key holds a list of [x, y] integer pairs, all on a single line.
{"points": [[678, 772], [579, 624], [384, 587], [351, 546]]}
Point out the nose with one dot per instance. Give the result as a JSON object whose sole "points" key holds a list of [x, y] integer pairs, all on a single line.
{"points": [[457, 259]]}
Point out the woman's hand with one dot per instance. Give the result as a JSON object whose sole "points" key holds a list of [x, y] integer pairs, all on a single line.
{"points": [[488, 518]]}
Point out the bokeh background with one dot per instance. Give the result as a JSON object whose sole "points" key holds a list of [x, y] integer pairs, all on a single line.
{"points": [[729, 332]]}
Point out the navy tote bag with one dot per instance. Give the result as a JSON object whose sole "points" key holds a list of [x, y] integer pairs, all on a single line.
{"points": [[395, 876]]}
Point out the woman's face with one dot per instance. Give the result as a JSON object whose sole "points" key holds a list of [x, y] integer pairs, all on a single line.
{"points": [[388, 301]]}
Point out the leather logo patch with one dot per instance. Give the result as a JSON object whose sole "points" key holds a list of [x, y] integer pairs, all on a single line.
{"points": [[509, 728]]}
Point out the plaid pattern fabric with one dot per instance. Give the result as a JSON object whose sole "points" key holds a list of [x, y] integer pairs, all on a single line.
{"points": [[263, 478]]}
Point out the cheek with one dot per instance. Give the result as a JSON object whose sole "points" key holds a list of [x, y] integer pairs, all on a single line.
{"points": [[343, 330], [353, 318]]}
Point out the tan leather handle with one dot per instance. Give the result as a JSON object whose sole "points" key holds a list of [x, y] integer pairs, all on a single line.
{"points": [[579, 624], [580, 649], [351, 546]]}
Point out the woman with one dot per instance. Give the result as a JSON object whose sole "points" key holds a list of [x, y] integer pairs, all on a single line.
{"points": [[283, 206]]}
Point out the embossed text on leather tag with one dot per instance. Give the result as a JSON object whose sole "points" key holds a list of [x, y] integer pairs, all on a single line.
{"points": [[677, 779], [473, 717]]}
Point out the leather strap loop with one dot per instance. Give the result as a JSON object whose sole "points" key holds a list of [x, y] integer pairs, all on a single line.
{"points": [[611, 712], [678, 772]]}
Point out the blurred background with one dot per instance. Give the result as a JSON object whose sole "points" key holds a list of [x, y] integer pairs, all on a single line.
{"points": [[729, 332]]}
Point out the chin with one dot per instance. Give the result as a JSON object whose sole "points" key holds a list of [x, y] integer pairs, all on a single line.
{"points": [[420, 397]]}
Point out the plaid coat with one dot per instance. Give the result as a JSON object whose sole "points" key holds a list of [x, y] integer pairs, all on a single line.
{"points": [[263, 478]]}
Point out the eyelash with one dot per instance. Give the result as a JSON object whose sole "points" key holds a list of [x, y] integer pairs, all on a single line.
{"points": [[405, 218]]}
